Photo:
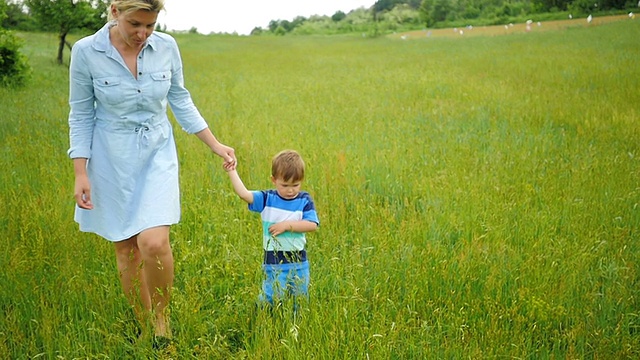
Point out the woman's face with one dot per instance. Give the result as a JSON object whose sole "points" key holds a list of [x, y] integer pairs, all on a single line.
{"points": [[135, 27]]}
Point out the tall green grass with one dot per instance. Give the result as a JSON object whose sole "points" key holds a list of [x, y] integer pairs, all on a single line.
{"points": [[478, 198]]}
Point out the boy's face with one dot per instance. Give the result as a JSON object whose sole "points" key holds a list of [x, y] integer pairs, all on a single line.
{"points": [[286, 189]]}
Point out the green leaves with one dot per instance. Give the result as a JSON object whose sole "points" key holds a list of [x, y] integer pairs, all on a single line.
{"points": [[62, 16], [14, 66]]}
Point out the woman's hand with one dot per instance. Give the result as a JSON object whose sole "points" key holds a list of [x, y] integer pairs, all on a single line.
{"points": [[82, 192], [227, 154]]}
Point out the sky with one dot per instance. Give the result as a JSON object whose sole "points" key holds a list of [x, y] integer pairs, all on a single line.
{"points": [[242, 16]]}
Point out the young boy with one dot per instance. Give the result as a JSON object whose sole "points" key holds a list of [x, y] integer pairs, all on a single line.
{"points": [[287, 214]]}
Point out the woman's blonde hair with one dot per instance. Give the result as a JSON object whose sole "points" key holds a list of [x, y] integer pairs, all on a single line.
{"points": [[127, 6]]}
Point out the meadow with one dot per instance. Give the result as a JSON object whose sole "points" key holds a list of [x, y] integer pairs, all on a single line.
{"points": [[478, 199]]}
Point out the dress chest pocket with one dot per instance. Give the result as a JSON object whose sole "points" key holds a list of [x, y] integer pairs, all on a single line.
{"points": [[108, 90], [160, 84]]}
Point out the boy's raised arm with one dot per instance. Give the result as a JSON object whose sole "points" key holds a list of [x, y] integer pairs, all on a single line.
{"points": [[239, 187]]}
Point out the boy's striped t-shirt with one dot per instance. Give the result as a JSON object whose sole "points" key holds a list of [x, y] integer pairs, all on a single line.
{"points": [[274, 209]]}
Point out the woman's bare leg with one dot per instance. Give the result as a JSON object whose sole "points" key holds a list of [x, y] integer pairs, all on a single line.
{"points": [[132, 278], [157, 270]]}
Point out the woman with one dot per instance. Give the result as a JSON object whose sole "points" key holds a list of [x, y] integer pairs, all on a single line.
{"points": [[123, 150]]}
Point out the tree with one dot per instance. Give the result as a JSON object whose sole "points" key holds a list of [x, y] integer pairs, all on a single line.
{"points": [[257, 30], [14, 67], [384, 5], [402, 14], [63, 16], [339, 15], [16, 18], [3, 10], [273, 25]]}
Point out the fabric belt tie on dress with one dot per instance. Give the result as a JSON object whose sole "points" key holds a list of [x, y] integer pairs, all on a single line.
{"points": [[143, 137]]}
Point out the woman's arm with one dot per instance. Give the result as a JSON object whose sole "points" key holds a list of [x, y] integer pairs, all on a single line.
{"points": [[186, 112], [81, 123], [225, 152], [81, 102]]}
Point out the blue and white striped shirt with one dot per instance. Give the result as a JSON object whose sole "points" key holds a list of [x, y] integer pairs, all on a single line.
{"points": [[274, 209]]}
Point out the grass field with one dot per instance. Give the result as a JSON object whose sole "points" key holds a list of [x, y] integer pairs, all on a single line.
{"points": [[478, 199]]}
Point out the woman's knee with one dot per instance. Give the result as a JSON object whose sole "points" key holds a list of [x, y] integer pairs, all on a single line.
{"points": [[154, 242], [126, 251]]}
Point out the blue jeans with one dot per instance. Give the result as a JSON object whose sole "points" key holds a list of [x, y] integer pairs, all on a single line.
{"points": [[282, 280]]}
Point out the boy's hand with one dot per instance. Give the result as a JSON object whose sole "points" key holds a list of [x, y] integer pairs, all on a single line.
{"points": [[229, 166], [279, 228]]}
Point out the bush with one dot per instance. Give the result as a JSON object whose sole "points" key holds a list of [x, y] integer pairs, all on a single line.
{"points": [[14, 66]]}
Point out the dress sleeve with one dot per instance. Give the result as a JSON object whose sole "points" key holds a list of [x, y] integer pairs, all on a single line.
{"points": [[82, 104], [179, 97]]}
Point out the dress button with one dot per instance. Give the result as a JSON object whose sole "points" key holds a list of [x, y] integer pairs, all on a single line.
{"points": [[140, 73], [139, 91]]}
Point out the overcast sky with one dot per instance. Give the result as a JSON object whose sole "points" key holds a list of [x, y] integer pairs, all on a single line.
{"points": [[242, 16]]}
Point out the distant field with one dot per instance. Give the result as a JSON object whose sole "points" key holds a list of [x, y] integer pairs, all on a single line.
{"points": [[535, 26], [478, 199]]}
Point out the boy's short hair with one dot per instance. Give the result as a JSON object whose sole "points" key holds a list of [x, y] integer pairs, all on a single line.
{"points": [[288, 166]]}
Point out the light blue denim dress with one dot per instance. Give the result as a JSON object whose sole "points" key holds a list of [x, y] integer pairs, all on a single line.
{"points": [[120, 124]]}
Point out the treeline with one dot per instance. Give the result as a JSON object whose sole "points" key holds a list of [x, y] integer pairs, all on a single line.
{"points": [[382, 17], [53, 15], [403, 15]]}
